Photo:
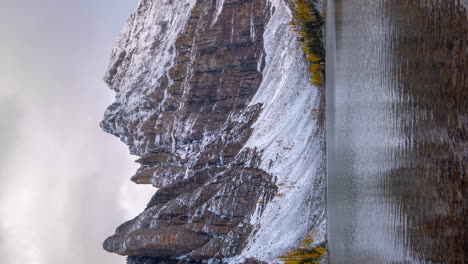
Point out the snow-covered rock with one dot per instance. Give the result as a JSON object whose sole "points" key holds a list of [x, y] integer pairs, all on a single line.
{"points": [[213, 95]]}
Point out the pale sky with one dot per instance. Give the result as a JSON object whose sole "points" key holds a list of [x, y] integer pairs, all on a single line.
{"points": [[64, 184]]}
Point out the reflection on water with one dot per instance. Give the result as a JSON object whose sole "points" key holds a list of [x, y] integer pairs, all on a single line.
{"points": [[397, 127]]}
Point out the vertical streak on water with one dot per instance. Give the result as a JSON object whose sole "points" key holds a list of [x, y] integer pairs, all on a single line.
{"points": [[362, 227], [330, 48], [359, 133]]}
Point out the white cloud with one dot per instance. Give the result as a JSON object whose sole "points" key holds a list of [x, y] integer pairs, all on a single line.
{"points": [[62, 180]]}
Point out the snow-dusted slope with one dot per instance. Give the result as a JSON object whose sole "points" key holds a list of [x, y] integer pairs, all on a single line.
{"points": [[291, 141]]}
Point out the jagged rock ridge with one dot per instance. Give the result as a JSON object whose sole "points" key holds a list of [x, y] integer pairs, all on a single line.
{"points": [[190, 82]]}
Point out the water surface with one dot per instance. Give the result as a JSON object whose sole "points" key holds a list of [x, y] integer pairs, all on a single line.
{"points": [[397, 129]]}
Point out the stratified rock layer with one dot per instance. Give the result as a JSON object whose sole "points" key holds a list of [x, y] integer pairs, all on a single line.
{"points": [[192, 140], [186, 73]]}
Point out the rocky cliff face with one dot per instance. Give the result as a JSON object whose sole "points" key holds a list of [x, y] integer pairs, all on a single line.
{"points": [[213, 95]]}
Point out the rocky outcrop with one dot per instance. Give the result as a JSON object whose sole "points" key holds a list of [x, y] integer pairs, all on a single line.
{"points": [[151, 260], [187, 75]]}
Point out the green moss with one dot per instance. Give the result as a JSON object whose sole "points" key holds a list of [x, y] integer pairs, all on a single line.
{"points": [[308, 22]]}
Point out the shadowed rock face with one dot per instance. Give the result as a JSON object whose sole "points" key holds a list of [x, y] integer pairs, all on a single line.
{"points": [[185, 73]]}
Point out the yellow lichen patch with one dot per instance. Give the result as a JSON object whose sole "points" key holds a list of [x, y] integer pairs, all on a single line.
{"points": [[279, 195], [305, 254], [314, 58], [309, 23], [304, 12]]}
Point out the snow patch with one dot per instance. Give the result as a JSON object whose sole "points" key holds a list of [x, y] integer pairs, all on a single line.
{"points": [[219, 9]]}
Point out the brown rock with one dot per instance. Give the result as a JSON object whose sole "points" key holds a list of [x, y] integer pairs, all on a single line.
{"points": [[189, 128]]}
